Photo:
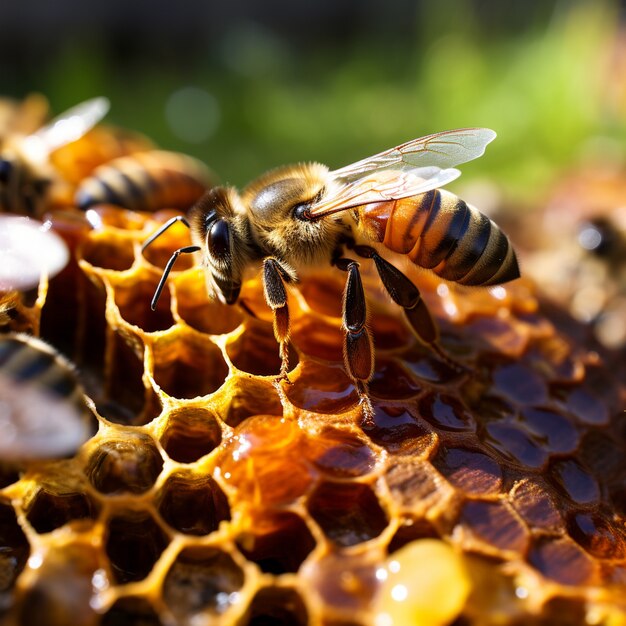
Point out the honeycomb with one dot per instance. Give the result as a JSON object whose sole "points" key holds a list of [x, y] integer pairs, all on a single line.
{"points": [[212, 495]]}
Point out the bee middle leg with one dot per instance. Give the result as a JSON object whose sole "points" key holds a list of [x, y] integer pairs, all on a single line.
{"points": [[274, 278], [358, 353], [405, 294]]}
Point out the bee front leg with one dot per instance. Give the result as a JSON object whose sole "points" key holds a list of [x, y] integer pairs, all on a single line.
{"points": [[404, 293], [274, 278], [358, 352]]}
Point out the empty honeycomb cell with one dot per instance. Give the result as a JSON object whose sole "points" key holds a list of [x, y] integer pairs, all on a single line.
{"points": [[599, 536], [339, 453], [134, 542], [318, 338], [131, 611], [108, 251], [246, 397], [190, 433], [158, 253], [253, 461], [414, 484], [322, 388], [561, 560], [131, 464], [469, 471], [196, 309], [519, 384], [188, 366], [14, 548], [513, 442], [280, 606], [531, 499], [61, 592], [550, 429], [494, 524], [192, 504], [278, 542], [575, 481], [399, 431], [391, 381], [133, 303], [202, 583], [47, 510], [256, 351], [348, 513], [445, 412]]}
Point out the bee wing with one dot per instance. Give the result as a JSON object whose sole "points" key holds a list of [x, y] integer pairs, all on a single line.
{"points": [[67, 127], [406, 170]]}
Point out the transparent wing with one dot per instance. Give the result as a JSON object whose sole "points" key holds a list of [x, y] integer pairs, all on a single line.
{"points": [[67, 127], [407, 170]]}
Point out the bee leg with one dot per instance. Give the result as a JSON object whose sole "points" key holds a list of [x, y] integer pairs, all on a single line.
{"points": [[274, 278], [404, 293], [160, 231], [167, 270], [358, 353]]}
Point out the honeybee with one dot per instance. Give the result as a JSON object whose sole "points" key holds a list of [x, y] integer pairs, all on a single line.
{"points": [[305, 215], [44, 414], [146, 181], [25, 169]]}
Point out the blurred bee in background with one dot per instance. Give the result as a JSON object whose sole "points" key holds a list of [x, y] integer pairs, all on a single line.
{"points": [[146, 181], [303, 216], [44, 414], [26, 172]]}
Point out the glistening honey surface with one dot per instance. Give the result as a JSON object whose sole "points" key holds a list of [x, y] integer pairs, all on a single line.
{"points": [[208, 497]]}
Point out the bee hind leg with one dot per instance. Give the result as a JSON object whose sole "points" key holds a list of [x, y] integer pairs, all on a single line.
{"points": [[358, 353], [274, 278], [405, 294]]}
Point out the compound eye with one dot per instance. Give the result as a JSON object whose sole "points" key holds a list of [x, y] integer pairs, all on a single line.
{"points": [[6, 167], [218, 239]]}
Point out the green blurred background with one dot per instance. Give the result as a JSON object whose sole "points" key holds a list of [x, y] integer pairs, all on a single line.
{"points": [[247, 86]]}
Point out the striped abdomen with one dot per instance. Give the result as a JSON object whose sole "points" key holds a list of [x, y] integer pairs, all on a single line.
{"points": [[146, 181], [439, 231]]}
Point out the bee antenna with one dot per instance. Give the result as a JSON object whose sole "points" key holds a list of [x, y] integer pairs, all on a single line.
{"points": [[167, 270], [158, 233]]}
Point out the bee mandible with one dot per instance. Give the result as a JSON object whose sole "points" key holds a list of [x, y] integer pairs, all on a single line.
{"points": [[305, 215], [25, 169]]}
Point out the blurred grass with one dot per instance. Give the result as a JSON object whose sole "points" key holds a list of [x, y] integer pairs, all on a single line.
{"points": [[544, 89]]}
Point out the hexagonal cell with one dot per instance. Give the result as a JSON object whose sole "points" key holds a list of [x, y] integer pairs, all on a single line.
{"points": [[190, 433], [348, 513], [340, 453], [397, 430], [553, 431], [195, 308], [494, 525], [561, 560], [391, 381], [532, 499], [131, 611], [158, 253], [318, 338], [133, 301], [193, 504], [47, 510], [428, 367], [323, 295], [519, 384], [108, 251], [600, 536], [203, 581], [14, 548], [188, 367], [514, 443], [446, 412], [389, 332], [244, 397], [414, 484], [575, 481], [126, 400], [255, 351], [134, 542], [410, 530], [130, 465], [322, 388], [280, 606], [470, 471], [277, 542]]}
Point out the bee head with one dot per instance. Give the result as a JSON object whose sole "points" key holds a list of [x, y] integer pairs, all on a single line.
{"points": [[221, 232]]}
